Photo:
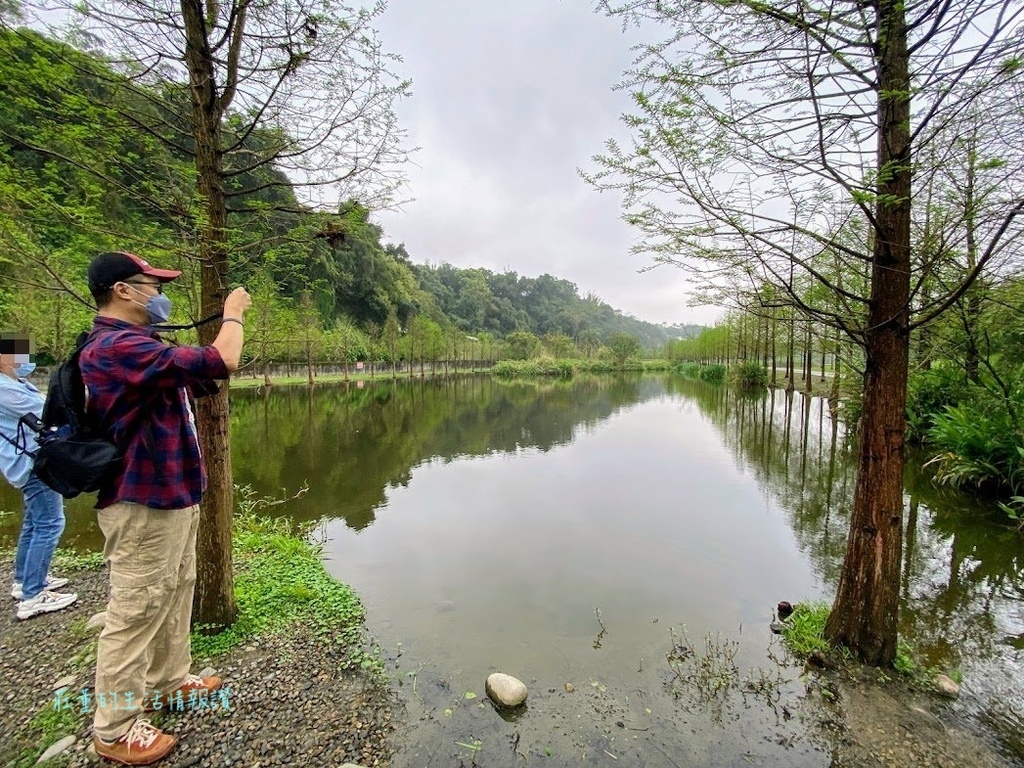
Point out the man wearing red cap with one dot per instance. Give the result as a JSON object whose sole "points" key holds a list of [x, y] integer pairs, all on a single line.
{"points": [[140, 390]]}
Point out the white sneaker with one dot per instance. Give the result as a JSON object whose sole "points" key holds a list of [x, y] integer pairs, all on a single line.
{"points": [[50, 583], [45, 602]]}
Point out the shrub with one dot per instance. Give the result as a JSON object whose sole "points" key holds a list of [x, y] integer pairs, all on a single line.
{"points": [[689, 370], [749, 374], [564, 369], [656, 365], [714, 373], [928, 394], [601, 366], [977, 445]]}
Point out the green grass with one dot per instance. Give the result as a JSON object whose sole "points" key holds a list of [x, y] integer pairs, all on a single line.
{"points": [[804, 633], [65, 560], [68, 560], [280, 580], [804, 630], [49, 725]]}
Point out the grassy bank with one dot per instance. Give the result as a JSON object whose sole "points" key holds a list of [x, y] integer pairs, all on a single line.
{"points": [[280, 580], [246, 381]]}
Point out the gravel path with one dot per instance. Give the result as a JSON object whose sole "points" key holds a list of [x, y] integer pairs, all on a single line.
{"points": [[290, 703]]}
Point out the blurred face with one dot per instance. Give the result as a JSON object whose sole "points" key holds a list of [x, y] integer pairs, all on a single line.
{"points": [[15, 350]]}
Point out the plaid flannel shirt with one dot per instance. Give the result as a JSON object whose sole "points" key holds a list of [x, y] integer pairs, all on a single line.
{"points": [[138, 389]]}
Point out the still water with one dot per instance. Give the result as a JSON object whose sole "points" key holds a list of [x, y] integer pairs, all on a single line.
{"points": [[574, 534]]}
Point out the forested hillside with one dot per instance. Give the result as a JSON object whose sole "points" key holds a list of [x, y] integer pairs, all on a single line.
{"points": [[89, 161]]}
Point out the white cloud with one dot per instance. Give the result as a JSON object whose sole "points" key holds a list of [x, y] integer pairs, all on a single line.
{"points": [[509, 99]]}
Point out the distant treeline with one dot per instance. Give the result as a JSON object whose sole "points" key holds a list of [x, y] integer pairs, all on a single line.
{"points": [[83, 169]]}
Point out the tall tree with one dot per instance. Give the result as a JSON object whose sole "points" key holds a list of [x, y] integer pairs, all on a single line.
{"points": [[762, 132], [277, 94]]}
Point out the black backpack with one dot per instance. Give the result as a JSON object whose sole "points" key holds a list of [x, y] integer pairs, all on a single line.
{"points": [[74, 456]]}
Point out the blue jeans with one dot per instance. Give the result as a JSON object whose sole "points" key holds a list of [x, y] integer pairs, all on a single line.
{"points": [[41, 528]]}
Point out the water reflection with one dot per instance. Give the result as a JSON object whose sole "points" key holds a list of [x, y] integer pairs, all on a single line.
{"points": [[354, 445], [963, 576], [483, 521]]}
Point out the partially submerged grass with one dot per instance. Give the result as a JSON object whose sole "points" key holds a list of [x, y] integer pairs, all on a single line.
{"points": [[804, 631]]}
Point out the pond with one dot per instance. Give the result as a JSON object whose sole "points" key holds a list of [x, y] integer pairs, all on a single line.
{"points": [[617, 543]]}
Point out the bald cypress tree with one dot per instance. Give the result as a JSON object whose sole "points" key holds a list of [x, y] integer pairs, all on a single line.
{"points": [[782, 143]]}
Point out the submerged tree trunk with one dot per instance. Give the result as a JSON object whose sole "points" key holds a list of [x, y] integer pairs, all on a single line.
{"points": [[864, 614], [808, 359]]}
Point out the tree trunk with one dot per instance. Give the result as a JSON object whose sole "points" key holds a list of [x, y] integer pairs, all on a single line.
{"points": [[972, 307], [808, 361], [775, 353], [865, 612], [214, 602], [790, 363]]}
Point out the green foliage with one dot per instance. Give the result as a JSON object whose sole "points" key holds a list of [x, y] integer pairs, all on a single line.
{"points": [[714, 373], [804, 631], [977, 446], [928, 393], [1014, 509], [915, 672], [522, 345], [906, 662], [77, 176], [688, 369], [564, 369], [280, 579], [657, 366], [749, 374], [700, 344], [558, 345], [70, 560], [478, 300], [623, 346]]}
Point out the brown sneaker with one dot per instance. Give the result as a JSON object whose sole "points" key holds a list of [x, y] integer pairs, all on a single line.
{"points": [[187, 695], [142, 745]]}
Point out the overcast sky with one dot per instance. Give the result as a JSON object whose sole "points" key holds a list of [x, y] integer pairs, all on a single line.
{"points": [[509, 99]]}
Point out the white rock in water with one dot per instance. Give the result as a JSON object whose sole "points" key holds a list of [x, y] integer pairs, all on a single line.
{"points": [[97, 621], [946, 686], [505, 690], [56, 749]]}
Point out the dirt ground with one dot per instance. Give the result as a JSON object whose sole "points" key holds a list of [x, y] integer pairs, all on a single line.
{"points": [[881, 721]]}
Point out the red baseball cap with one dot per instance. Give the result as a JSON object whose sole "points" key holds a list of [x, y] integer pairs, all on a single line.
{"points": [[117, 266]]}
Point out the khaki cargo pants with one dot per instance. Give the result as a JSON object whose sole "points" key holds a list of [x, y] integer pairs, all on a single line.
{"points": [[144, 647]]}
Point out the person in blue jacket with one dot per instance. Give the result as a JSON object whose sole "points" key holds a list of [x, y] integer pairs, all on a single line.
{"points": [[43, 521]]}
